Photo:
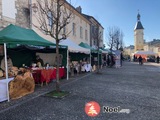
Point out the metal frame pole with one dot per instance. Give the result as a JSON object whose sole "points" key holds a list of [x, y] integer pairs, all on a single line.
{"points": [[67, 64], [5, 58]]}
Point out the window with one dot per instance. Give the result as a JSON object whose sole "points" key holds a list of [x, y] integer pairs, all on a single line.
{"points": [[74, 29], [50, 20], [9, 8], [86, 35], [81, 32], [64, 30]]}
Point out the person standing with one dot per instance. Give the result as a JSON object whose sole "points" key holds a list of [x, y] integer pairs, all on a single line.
{"points": [[157, 59], [134, 58], [140, 60], [112, 60], [39, 60], [108, 60], [121, 58]]}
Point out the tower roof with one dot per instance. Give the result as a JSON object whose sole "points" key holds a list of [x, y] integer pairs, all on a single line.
{"points": [[138, 24]]}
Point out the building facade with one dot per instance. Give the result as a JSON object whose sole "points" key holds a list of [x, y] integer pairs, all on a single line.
{"points": [[129, 51], [14, 12], [138, 35], [96, 32], [77, 30], [153, 46], [80, 29]]}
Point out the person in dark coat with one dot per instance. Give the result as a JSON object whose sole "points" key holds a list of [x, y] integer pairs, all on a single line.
{"points": [[108, 60], [112, 60], [38, 59], [157, 59], [134, 58], [121, 58], [140, 60]]}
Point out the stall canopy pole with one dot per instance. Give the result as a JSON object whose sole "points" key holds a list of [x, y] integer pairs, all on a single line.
{"points": [[90, 57], [5, 55], [98, 60], [67, 64], [101, 61]]}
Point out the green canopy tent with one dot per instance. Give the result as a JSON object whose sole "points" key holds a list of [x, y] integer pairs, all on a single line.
{"points": [[14, 35], [85, 45], [93, 53]]}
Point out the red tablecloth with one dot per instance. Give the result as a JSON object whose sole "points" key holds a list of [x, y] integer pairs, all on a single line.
{"points": [[47, 75]]}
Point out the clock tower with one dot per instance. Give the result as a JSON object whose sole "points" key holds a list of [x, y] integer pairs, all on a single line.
{"points": [[138, 35]]}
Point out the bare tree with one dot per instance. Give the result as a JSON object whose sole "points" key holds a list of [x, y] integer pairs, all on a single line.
{"points": [[115, 38], [53, 16], [111, 38], [97, 35], [118, 39], [121, 43]]}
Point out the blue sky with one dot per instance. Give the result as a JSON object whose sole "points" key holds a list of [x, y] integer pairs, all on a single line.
{"points": [[123, 14]]}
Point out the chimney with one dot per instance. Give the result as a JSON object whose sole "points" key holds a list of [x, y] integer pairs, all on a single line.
{"points": [[79, 9]]}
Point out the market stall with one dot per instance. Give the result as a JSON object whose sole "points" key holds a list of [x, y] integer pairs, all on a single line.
{"points": [[73, 47], [47, 75], [144, 54], [77, 51], [13, 35], [95, 55]]}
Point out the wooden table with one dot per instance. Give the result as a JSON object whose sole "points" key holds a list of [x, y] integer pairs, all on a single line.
{"points": [[47, 75]]}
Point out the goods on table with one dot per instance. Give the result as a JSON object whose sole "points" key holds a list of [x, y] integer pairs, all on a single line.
{"points": [[21, 86]]}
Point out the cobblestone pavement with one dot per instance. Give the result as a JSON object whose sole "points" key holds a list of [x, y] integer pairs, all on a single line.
{"points": [[132, 87]]}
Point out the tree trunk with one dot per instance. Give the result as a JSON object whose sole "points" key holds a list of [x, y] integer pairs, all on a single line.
{"points": [[98, 62], [57, 67], [57, 48], [98, 53]]}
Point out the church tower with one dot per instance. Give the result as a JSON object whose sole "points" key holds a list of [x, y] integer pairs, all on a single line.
{"points": [[138, 35]]}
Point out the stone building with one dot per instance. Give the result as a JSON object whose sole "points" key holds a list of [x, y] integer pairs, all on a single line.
{"points": [[20, 12], [128, 50], [14, 11], [78, 28], [96, 32], [153, 46]]}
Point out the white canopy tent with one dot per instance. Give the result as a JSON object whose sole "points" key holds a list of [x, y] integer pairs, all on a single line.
{"points": [[104, 51], [144, 53], [73, 47]]}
